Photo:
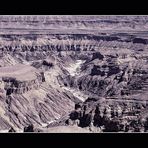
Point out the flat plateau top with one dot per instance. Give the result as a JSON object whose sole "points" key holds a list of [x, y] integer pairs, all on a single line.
{"points": [[19, 71], [58, 30]]}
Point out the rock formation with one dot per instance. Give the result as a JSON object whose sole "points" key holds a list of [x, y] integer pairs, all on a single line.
{"points": [[85, 72]]}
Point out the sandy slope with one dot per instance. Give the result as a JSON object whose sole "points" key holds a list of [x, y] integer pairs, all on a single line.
{"points": [[67, 129]]}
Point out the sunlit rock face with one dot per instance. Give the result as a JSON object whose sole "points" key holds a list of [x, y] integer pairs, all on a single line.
{"points": [[88, 71]]}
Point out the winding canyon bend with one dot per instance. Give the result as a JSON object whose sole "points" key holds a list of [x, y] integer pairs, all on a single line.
{"points": [[74, 73]]}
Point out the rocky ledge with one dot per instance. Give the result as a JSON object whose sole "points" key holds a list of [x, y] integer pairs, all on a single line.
{"points": [[19, 79]]}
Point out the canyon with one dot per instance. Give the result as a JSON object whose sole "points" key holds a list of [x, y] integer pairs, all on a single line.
{"points": [[74, 73]]}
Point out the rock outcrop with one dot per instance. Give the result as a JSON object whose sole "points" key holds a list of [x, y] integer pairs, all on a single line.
{"points": [[19, 79], [110, 115]]}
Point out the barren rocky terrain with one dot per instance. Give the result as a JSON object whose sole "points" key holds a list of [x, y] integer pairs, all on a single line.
{"points": [[73, 74]]}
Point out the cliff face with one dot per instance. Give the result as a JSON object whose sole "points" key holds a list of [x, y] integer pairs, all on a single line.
{"points": [[110, 115], [30, 91], [69, 42], [25, 100]]}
